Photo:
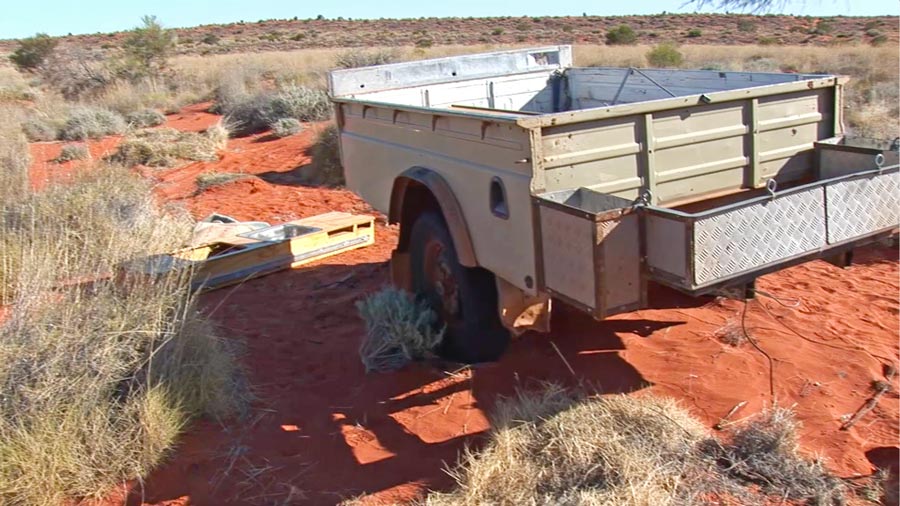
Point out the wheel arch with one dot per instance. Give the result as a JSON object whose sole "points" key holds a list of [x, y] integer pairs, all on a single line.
{"points": [[419, 189]]}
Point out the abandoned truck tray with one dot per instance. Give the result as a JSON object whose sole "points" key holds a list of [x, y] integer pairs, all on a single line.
{"points": [[517, 177]]}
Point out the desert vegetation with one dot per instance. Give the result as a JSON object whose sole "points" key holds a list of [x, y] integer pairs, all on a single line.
{"points": [[556, 445], [101, 370]]}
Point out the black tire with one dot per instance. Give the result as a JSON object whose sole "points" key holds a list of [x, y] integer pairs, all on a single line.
{"points": [[469, 308]]}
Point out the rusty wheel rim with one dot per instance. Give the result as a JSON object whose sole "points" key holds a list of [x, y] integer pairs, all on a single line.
{"points": [[440, 280]]}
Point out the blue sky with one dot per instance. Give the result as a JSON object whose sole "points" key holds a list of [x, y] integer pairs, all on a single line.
{"points": [[20, 18]]}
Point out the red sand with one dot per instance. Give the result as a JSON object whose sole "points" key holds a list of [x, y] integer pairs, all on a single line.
{"points": [[321, 429]]}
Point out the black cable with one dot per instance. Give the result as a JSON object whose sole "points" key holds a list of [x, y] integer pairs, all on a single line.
{"points": [[758, 348]]}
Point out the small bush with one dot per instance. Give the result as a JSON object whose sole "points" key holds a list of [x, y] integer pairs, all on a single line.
{"points": [[424, 43], [356, 58], [285, 127], [147, 48], [398, 330], [879, 40], [163, 147], [665, 55], [146, 118], [746, 25], [208, 180], [71, 152], [210, 39], [823, 27], [497, 31], [255, 113], [326, 168], [78, 73], [91, 123], [767, 41], [621, 35], [33, 51], [694, 33], [39, 129]]}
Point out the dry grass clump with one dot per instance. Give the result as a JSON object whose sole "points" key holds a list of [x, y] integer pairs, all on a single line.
{"points": [[164, 147], [398, 330], [255, 112], [14, 156], [764, 453], [96, 379], [91, 123], [145, 118], [71, 152], [355, 58], [208, 180], [556, 446], [326, 168], [553, 447], [285, 127]]}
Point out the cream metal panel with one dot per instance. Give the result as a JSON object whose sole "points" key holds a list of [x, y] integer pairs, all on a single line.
{"points": [[467, 153], [568, 252], [619, 269]]}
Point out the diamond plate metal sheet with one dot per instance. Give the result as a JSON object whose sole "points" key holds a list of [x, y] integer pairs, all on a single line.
{"points": [[861, 206], [753, 236]]}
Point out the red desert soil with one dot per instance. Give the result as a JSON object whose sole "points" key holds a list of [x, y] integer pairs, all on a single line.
{"points": [[321, 429]]}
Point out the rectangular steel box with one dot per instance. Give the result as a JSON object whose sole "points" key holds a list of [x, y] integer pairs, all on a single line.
{"points": [[589, 251]]}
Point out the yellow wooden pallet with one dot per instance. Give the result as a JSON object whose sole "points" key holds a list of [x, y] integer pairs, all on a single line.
{"points": [[237, 258]]}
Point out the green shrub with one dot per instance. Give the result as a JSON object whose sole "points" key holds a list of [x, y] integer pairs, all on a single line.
{"points": [[147, 47], [424, 43], [33, 51], [497, 31], [621, 35], [71, 152], [767, 41], [285, 127], [694, 33], [146, 118], [91, 123], [398, 330], [665, 55]]}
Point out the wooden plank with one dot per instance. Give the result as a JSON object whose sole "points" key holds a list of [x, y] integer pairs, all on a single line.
{"points": [[251, 255]]}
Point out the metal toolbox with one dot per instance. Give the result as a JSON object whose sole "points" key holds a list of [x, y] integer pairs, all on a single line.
{"points": [[589, 251]]}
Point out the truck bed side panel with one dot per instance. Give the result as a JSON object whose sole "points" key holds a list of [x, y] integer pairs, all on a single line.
{"points": [[381, 142], [693, 152]]}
